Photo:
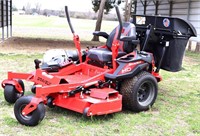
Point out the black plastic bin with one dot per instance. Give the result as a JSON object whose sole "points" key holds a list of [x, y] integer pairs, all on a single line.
{"points": [[173, 57], [174, 31]]}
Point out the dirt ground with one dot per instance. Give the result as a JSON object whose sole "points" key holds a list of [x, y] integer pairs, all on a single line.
{"points": [[36, 45]]}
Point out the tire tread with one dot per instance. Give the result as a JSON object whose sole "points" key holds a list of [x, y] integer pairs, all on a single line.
{"points": [[128, 93]]}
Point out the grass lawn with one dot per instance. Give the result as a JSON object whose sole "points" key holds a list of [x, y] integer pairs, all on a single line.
{"points": [[58, 22], [56, 27], [176, 111]]}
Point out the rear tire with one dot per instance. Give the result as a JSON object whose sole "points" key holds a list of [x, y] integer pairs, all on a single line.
{"points": [[11, 94], [139, 93], [31, 119]]}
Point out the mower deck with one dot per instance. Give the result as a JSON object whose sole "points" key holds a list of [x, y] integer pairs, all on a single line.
{"points": [[62, 87], [98, 102]]}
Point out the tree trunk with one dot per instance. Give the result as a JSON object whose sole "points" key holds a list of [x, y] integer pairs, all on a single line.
{"points": [[127, 12], [99, 19], [190, 46], [197, 49]]}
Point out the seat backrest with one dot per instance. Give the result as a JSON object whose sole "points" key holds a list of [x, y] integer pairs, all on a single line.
{"points": [[128, 30]]}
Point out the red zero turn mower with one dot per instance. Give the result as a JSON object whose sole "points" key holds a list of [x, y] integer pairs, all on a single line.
{"points": [[103, 79]]}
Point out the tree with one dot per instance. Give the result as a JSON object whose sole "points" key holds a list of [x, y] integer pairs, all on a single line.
{"points": [[127, 9], [28, 8], [100, 5], [14, 8], [99, 19], [37, 7], [23, 8], [109, 4]]}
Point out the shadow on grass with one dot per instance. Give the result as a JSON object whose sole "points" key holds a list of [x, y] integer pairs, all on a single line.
{"points": [[58, 111], [66, 114]]}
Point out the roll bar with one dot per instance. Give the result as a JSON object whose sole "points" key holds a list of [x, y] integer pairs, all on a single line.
{"points": [[120, 21], [68, 19]]}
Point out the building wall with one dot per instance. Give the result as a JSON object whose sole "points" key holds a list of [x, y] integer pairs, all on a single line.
{"points": [[185, 9], [5, 19]]}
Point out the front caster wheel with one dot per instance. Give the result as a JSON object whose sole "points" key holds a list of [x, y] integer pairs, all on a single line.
{"points": [[85, 112], [33, 89], [140, 92], [31, 119], [50, 102], [11, 94]]}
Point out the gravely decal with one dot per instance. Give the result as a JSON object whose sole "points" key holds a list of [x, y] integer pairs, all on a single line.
{"points": [[43, 81]]}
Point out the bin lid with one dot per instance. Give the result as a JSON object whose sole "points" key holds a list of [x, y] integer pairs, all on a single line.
{"points": [[167, 25]]}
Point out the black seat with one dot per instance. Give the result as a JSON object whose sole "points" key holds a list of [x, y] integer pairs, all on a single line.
{"points": [[105, 54]]}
